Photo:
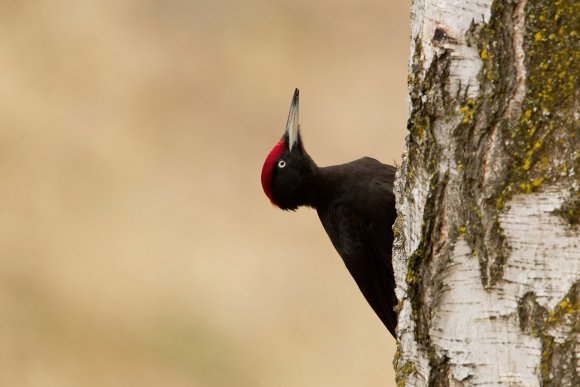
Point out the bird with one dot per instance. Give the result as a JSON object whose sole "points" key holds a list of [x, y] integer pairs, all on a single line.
{"points": [[355, 204]]}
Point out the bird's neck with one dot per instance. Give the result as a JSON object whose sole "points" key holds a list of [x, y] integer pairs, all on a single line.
{"points": [[320, 187]]}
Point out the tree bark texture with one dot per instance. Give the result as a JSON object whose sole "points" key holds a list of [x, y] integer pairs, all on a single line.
{"points": [[487, 249]]}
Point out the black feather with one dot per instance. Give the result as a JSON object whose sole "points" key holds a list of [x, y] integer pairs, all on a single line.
{"points": [[359, 223]]}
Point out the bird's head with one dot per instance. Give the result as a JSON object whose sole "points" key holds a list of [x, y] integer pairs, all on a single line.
{"points": [[288, 167]]}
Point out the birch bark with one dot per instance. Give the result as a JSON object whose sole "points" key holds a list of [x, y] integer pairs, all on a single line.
{"points": [[487, 249]]}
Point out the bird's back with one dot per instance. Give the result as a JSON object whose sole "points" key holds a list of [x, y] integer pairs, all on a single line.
{"points": [[358, 218]]}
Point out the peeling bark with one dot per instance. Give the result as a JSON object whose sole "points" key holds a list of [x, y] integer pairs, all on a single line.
{"points": [[487, 249]]}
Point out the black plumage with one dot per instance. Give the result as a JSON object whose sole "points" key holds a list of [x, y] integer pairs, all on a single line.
{"points": [[355, 204]]}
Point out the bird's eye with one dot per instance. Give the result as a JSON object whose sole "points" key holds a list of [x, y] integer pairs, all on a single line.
{"points": [[281, 164]]}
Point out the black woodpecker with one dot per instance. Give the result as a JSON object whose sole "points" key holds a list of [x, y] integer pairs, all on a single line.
{"points": [[355, 204]]}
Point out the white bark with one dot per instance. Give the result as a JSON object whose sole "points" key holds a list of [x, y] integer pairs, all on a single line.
{"points": [[479, 329], [487, 269]]}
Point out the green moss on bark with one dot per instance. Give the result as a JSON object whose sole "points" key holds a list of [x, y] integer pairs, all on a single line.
{"points": [[559, 361], [537, 136], [428, 98], [402, 368], [546, 139], [570, 209]]}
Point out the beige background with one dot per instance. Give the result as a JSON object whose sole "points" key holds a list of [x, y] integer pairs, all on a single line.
{"points": [[136, 245]]}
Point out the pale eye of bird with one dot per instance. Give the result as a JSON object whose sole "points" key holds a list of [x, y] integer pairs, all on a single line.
{"points": [[281, 164]]}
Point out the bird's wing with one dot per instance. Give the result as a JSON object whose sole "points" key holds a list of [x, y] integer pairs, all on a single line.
{"points": [[365, 247]]}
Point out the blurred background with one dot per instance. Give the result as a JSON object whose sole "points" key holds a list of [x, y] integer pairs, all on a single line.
{"points": [[136, 246]]}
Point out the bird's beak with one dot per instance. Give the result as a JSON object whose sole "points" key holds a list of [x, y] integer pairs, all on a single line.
{"points": [[293, 126]]}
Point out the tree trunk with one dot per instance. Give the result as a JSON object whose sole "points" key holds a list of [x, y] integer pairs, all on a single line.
{"points": [[487, 249]]}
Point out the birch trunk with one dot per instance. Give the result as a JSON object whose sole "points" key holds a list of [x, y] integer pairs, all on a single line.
{"points": [[487, 249]]}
